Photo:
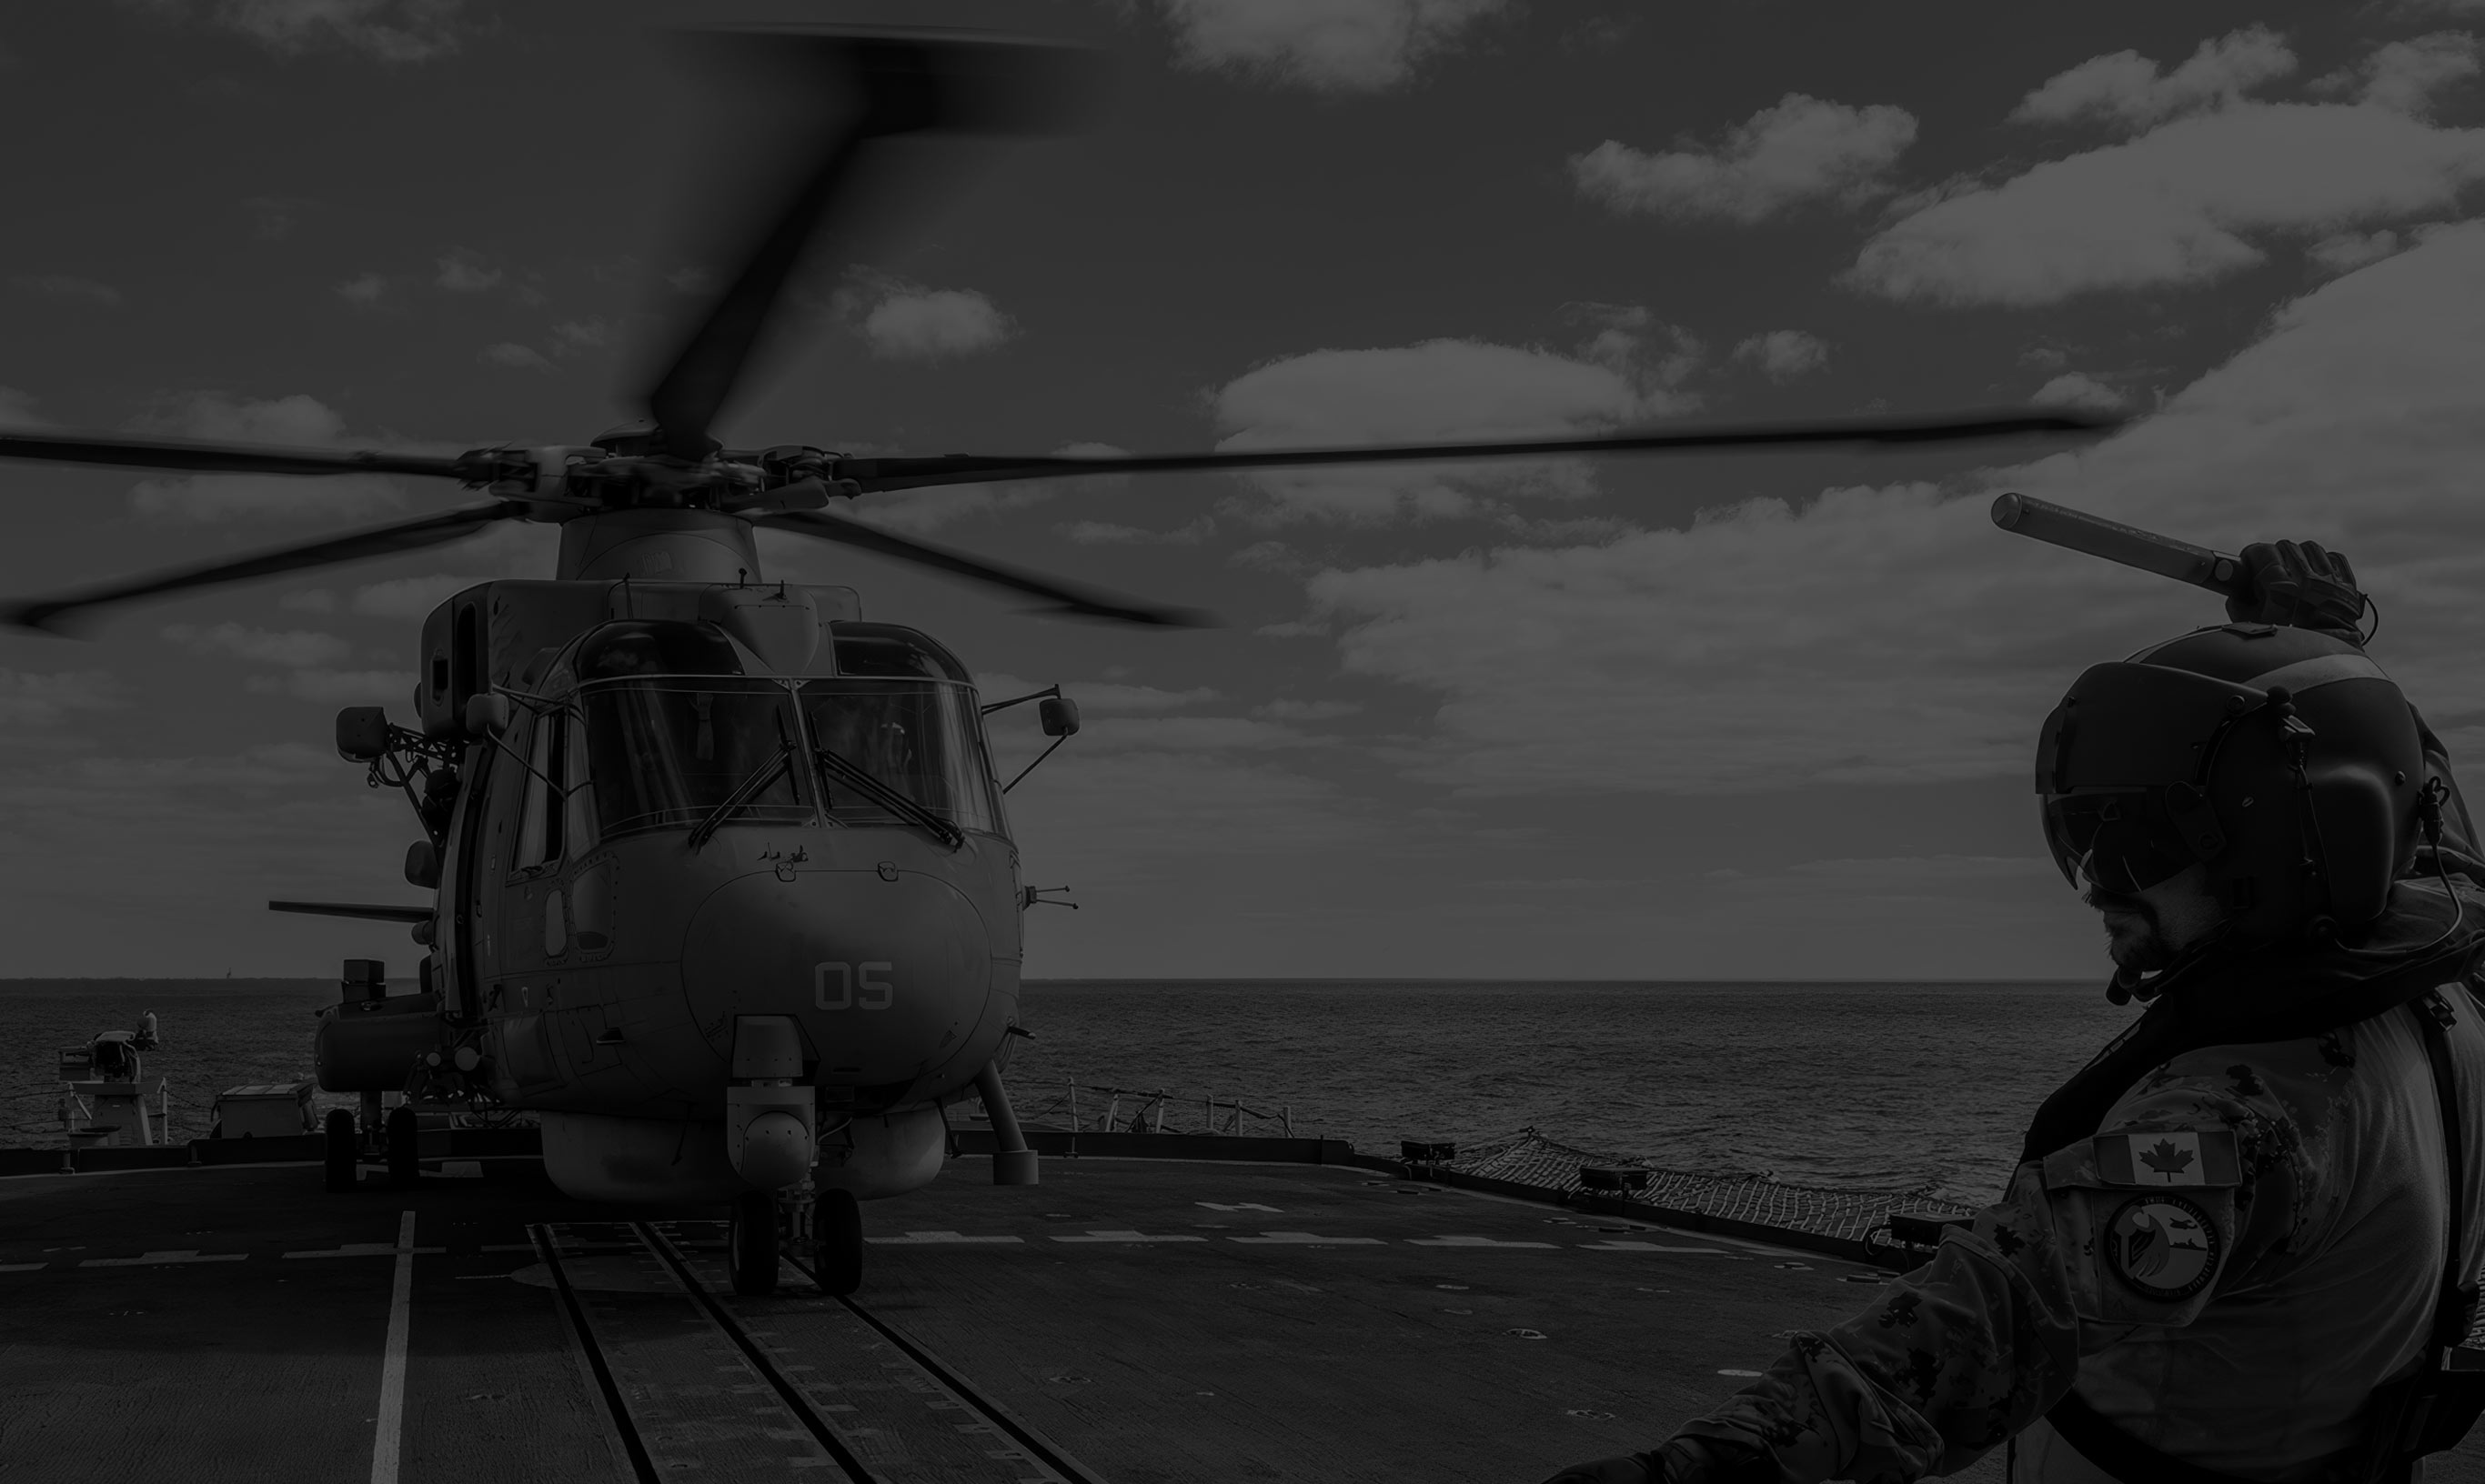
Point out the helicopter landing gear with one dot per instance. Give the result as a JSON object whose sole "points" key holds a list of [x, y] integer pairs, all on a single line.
{"points": [[405, 1171], [837, 1243], [339, 1156], [751, 1244]]}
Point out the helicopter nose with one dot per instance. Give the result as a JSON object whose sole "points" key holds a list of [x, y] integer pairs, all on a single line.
{"points": [[886, 971]]}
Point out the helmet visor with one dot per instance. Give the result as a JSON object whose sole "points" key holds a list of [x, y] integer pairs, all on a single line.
{"points": [[2119, 839]]}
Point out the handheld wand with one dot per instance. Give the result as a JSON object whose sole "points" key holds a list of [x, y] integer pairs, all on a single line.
{"points": [[2115, 541]]}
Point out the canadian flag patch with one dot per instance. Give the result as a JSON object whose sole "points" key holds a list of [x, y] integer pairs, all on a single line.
{"points": [[2159, 1158]]}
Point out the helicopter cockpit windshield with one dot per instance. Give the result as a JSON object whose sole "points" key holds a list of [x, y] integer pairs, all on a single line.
{"points": [[894, 739]]}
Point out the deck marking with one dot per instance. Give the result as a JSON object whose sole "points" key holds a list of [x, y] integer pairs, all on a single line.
{"points": [[615, 1408], [935, 1239], [1743, 1373], [1306, 1239], [151, 1259], [1644, 1247], [22, 1267], [365, 1250], [1095, 1234], [1470, 1241], [387, 1440], [1240, 1205]]}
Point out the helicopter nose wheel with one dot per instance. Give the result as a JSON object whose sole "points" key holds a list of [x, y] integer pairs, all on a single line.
{"points": [[838, 1256], [751, 1244], [343, 1168], [404, 1155]]}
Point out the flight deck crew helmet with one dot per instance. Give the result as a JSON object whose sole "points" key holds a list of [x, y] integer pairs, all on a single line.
{"points": [[2282, 759]]}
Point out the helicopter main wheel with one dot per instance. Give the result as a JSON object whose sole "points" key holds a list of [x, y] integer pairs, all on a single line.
{"points": [[404, 1171], [342, 1166], [751, 1244], [836, 1259]]}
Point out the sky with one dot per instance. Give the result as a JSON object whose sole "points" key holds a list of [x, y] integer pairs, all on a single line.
{"points": [[1746, 715]]}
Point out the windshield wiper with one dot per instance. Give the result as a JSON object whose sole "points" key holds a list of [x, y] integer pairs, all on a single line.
{"points": [[744, 792], [889, 798]]}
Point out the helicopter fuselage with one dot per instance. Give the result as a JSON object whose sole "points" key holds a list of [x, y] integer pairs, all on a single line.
{"points": [[712, 849]]}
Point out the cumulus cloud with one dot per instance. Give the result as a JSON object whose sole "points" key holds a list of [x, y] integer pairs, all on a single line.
{"points": [[293, 647], [2347, 252], [385, 30], [1438, 391], [363, 288], [463, 272], [1891, 634], [571, 336], [1106, 533], [409, 597], [1328, 45], [1783, 355], [63, 286], [2124, 87], [904, 321], [2077, 389], [297, 419], [33, 701], [17, 410], [514, 356], [2176, 205], [2403, 77], [1801, 150]]}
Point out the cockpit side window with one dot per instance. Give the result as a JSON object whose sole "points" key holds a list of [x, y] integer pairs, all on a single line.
{"points": [[544, 815]]}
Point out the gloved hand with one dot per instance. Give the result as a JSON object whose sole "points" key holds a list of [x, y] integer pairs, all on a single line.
{"points": [[1679, 1461], [2299, 586]]}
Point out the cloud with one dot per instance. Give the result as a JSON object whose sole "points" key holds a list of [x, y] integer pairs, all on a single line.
{"points": [[294, 647], [384, 29], [1631, 340], [1801, 150], [2124, 87], [32, 700], [1783, 355], [1889, 635], [905, 321], [409, 597], [332, 686], [1438, 391], [571, 336], [516, 357], [2077, 389], [62, 285], [17, 410], [1105, 533], [2347, 251], [2403, 77], [363, 288], [297, 419], [273, 218], [462, 272], [1096, 697], [2173, 206], [1326, 45]]}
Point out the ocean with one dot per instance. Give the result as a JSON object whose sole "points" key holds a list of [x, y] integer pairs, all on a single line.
{"points": [[1916, 1087]]}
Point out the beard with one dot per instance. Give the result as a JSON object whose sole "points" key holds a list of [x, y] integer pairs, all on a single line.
{"points": [[2135, 938]]}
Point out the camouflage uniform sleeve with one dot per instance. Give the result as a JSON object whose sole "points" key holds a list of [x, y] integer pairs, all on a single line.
{"points": [[2106, 1236]]}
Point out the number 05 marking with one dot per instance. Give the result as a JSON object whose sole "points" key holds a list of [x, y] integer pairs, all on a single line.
{"points": [[833, 986]]}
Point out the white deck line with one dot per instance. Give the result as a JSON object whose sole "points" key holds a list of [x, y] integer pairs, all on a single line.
{"points": [[388, 1438]]}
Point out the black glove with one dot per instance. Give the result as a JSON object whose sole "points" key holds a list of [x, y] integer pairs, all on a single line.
{"points": [[2299, 586], [1679, 1461]]}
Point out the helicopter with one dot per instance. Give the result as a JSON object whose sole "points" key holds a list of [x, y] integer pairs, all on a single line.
{"points": [[723, 891]]}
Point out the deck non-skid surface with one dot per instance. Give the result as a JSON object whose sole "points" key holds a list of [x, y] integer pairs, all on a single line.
{"points": [[1127, 1320]]}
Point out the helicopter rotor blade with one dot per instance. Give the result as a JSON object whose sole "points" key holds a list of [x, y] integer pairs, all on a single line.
{"points": [[907, 473], [1063, 597], [60, 614], [218, 458], [908, 84]]}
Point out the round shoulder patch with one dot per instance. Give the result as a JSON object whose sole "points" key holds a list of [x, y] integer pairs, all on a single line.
{"points": [[2165, 1247]]}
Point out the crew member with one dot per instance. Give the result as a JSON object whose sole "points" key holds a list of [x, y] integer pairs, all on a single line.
{"points": [[2240, 1241]]}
